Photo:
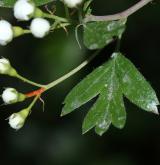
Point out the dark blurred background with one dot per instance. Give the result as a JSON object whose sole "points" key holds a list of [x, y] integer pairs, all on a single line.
{"points": [[47, 139]]}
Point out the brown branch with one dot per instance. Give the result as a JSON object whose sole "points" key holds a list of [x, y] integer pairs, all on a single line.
{"points": [[120, 15]]}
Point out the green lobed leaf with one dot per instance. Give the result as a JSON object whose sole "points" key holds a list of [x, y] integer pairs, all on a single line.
{"points": [[109, 107], [114, 98], [87, 89], [101, 128], [10, 3], [135, 87], [99, 34], [98, 116], [110, 82]]}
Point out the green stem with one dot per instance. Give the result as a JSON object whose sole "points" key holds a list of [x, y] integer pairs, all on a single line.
{"points": [[61, 79], [33, 102], [61, 19], [26, 31], [120, 15], [66, 12], [72, 72], [62, 25], [29, 81], [80, 17], [58, 25], [55, 24], [18, 31]]}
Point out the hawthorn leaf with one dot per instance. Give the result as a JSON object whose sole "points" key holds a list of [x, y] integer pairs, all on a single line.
{"points": [[93, 117], [110, 82], [87, 89], [97, 35], [115, 101], [134, 85], [101, 128], [108, 109]]}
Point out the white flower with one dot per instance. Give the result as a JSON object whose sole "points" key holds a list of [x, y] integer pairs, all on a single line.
{"points": [[39, 27], [72, 3], [6, 32], [10, 95], [17, 120], [4, 66], [24, 9]]}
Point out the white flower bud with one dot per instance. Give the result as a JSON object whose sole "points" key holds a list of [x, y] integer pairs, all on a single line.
{"points": [[40, 27], [10, 96], [24, 9], [6, 32], [17, 120], [72, 3], [4, 66]]}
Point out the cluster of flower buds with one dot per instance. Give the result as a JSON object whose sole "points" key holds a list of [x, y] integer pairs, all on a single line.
{"points": [[24, 10], [11, 95]]}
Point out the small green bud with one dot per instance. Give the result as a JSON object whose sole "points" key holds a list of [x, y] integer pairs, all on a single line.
{"points": [[21, 97], [38, 13], [6, 68], [12, 72], [18, 31]]}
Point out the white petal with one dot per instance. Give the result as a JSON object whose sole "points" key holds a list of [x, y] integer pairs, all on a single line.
{"points": [[10, 95], [72, 3], [16, 121], [6, 32], [23, 9], [39, 27]]}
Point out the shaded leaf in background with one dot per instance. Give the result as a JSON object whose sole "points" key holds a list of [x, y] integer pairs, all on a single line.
{"points": [[86, 8], [110, 83], [99, 34], [10, 3]]}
